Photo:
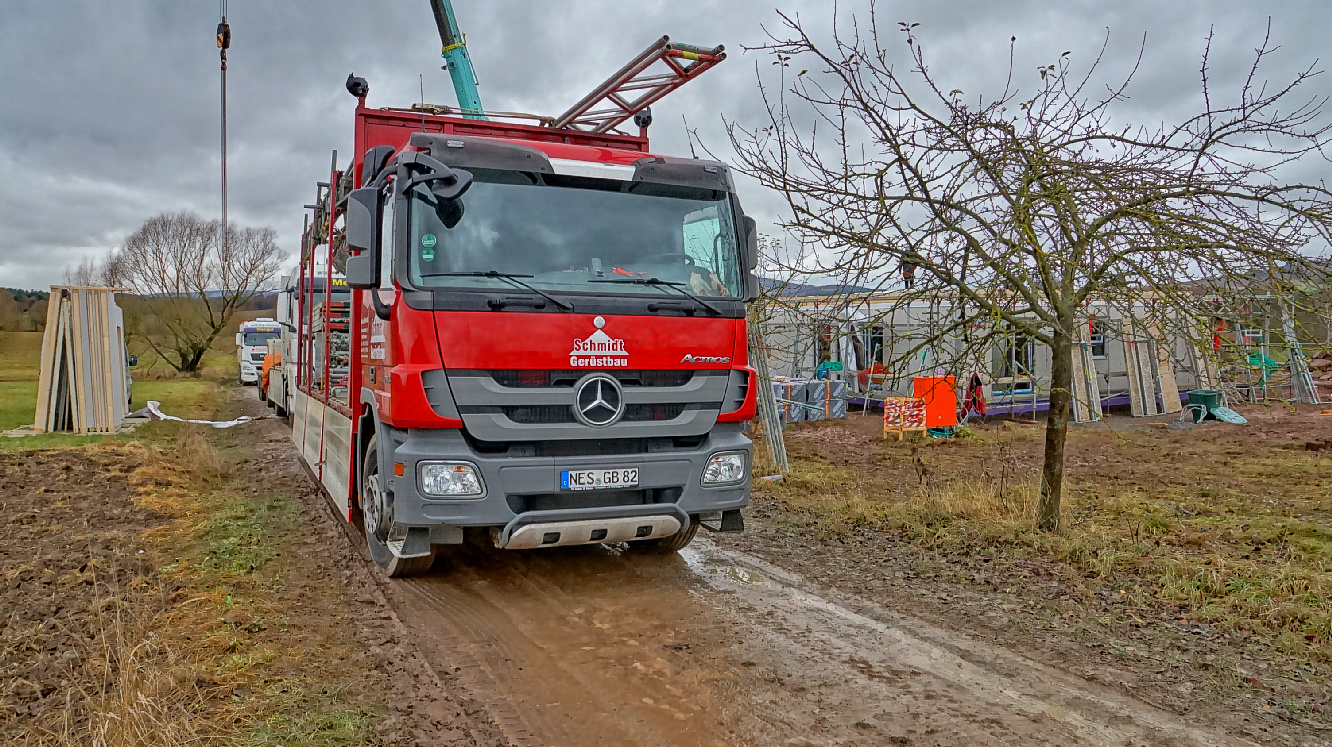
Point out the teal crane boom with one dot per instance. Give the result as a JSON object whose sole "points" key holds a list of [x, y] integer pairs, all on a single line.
{"points": [[454, 52]]}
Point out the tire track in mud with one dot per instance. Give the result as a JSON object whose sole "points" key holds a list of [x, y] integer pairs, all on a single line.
{"points": [[570, 647], [595, 646], [919, 668]]}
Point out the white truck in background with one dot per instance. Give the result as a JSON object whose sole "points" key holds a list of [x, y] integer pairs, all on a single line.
{"points": [[252, 346]]}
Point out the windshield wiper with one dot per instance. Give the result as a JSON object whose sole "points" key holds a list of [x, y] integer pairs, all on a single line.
{"points": [[509, 276], [658, 282]]}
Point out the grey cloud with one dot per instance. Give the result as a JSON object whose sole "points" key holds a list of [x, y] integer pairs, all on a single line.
{"points": [[109, 113]]}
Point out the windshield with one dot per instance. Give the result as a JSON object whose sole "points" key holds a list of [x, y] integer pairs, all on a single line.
{"points": [[566, 232], [255, 339]]}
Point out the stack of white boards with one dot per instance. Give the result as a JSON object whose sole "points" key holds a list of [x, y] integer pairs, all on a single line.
{"points": [[84, 384]]}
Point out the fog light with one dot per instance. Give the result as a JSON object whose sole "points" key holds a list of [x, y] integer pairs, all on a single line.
{"points": [[450, 479], [724, 468]]}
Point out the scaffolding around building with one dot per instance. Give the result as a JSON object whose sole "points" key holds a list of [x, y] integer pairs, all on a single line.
{"points": [[1139, 355]]}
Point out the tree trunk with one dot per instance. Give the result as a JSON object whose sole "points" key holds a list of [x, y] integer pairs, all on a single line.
{"points": [[1056, 431]]}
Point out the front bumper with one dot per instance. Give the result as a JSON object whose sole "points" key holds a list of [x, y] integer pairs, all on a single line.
{"points": [[521, 488], [248, 373]]}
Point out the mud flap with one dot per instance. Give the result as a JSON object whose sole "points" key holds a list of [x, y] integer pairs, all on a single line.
{"points": [[415, 542], [723, 521]]}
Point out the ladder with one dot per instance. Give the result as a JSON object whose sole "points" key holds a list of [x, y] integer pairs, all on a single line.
{"points": [[636, 86], [1303, 389]]}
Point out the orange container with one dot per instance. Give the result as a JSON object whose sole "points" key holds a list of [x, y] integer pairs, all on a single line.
{"points": [[940, 395]]}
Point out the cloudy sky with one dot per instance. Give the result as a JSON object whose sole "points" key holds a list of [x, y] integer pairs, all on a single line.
{"points": [[109, 110]]}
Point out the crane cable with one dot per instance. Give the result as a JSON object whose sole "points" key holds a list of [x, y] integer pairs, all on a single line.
{"points": [[223, 44]]}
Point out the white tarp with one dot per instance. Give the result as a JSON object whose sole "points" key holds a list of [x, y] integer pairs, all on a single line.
{"points": [[155, 413]]}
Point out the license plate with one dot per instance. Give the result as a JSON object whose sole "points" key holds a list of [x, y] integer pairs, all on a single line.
{"points": [[596, 479]]}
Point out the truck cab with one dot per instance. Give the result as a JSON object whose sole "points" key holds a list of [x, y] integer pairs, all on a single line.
{"points": [[252, 346], [546, 342]]}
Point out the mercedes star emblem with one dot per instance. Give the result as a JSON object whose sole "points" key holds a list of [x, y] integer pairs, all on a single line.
{"points": [[599, 401]]}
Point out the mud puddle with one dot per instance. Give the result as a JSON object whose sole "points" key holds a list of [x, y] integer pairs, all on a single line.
{"points": [[598, 646]]}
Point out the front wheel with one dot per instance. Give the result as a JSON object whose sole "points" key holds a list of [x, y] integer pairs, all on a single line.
{"points": [[376, 503], [666, 545], [260, 391]]}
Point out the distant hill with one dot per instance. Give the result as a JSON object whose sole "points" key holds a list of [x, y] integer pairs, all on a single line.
{"points": [[26, 299]]}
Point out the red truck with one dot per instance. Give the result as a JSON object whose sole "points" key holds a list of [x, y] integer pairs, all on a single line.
{"points": [[545, 343]]}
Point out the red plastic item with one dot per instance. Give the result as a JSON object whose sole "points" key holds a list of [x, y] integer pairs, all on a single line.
{"points": [[940, 395]]}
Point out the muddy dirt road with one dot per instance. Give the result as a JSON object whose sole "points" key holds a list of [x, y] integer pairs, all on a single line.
{"points": [[598, 645]]}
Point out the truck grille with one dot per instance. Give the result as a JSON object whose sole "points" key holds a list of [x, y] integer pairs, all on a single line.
{"points": [[534, 414], [508, 405]]}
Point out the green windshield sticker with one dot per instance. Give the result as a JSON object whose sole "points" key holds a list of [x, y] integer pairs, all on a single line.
{"points": [[428, 241], [428, 255]]}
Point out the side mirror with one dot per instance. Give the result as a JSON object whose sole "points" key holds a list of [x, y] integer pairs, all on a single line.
{"points": [[751, 243], [364, 209], [133, 361], [240, 339], [363, 271], [750, 250]]}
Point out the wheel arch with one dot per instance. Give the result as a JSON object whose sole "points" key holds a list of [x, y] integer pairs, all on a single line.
{"points": [[367, 425]]}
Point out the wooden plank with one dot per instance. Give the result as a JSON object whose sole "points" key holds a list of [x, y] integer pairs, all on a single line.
{"points": [[1165, 372], [109, 419], [1093, 382], [1081, 397], [47, 375], [91, 333], [1142, 386], [78, 382], [67, 333], [1134, 380]]}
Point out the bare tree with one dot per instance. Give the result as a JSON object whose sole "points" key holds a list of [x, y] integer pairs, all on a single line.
{"points": [[1021, 208], [86, 272], [188, 284]]}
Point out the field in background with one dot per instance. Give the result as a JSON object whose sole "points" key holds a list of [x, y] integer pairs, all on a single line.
{"points": [[185, 396], [20, 353]]}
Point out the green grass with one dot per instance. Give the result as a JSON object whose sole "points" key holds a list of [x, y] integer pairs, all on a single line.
{"points": [[18, 400], [235, 542], [185, 398], [20, 356], [340, 726]]}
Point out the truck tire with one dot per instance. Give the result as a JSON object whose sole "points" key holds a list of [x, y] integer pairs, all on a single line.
{"points": [[376, 505], [260, 391], [667, 545]]}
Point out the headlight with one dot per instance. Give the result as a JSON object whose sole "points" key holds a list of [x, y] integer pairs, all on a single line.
{"points": [[450, 479], [724, 468]]}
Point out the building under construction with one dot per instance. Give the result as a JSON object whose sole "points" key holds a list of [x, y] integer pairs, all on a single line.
{"points": [[1130, 356]]}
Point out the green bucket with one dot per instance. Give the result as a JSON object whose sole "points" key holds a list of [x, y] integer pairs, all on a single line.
{"points": [[1208, 398]]}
